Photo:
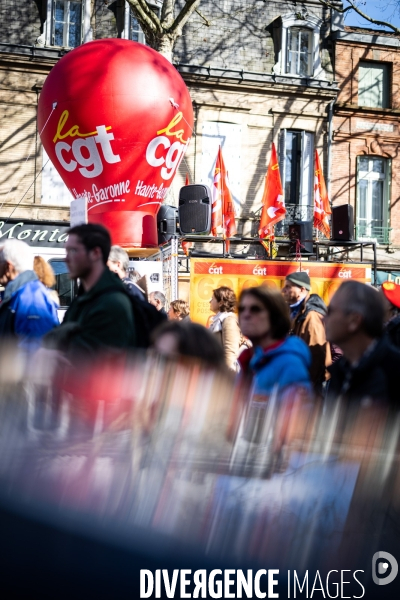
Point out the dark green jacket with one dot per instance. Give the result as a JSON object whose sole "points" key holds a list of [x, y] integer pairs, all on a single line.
{"points": [[96, 320]]}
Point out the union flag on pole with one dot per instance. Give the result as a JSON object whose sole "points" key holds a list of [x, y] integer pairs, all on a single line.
{"points": [[223, 210], [322, 207], [273, 209]]}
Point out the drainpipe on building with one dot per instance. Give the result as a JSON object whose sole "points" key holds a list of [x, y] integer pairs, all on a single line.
{"points": [[330, 135], [196, 116]]}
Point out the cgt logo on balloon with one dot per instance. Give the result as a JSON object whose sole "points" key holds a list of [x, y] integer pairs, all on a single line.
{"points": [[160, 152]]}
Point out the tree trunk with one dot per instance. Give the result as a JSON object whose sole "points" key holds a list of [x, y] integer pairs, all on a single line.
{"points": [[163, 44]]}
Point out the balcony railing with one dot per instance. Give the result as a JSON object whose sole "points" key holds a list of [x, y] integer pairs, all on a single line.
{"points": [[370, 231], [294, 212], [363, 231]]}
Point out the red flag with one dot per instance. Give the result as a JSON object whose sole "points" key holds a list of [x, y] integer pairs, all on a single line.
{"points": [[321, 201], [223, 210], [186, 246], [273, 209]]}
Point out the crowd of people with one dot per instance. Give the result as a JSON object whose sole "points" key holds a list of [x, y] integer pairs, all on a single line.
{"points": [[280, 343]]}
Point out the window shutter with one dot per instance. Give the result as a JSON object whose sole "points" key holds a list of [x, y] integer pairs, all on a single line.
{"points": [[388, 186], [282, 158], [373, 85], [307, 169]]}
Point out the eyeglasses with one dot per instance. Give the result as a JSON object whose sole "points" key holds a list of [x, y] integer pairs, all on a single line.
{"points": [[254, 309]]}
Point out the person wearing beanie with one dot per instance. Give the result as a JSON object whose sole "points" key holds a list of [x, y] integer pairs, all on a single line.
{"points": [[307, 312], [391, 300]]}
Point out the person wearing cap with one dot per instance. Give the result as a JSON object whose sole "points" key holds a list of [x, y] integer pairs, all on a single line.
{"points": [[391, 299], [307, 312]]}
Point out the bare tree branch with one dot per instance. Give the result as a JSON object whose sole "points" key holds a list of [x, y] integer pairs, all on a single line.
{"points": [[147, 17], [167, 13], [361, 13], [183, 16], [206, 21]]}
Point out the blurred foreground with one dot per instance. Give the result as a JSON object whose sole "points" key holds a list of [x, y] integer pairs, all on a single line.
{"points": [[167, 460]]}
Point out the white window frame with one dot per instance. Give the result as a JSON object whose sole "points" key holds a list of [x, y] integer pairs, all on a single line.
{"points": [[125, 34], [312, 23], [126, 31], [229, 137], [86, 30], [371, 176], [306, 187]]}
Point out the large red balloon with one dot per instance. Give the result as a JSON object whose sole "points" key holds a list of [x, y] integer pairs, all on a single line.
{"points": [[122, 123]]}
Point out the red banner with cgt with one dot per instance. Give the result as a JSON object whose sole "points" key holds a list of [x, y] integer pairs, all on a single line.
{"points": [[207, 275]]}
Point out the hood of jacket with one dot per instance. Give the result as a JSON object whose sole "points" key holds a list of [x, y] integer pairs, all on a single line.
{"points": [[313, 302], [290, 346], [16, 284], [108, 281]]}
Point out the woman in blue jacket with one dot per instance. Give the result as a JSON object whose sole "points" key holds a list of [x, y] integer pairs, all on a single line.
{"points": [[277, 367], [276, 360]]}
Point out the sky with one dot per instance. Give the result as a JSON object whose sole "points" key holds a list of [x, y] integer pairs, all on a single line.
{"points": [[385, 10]]}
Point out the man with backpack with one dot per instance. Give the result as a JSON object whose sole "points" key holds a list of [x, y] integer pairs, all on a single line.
{"points": [[307, 312], [101, 317]]}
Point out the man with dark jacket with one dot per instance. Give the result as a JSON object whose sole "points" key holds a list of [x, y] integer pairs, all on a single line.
{"points": [[307, 312], [100, 318], [369, 368], [27, 310]]}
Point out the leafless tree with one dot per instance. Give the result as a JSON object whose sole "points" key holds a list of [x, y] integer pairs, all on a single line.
{"points": [[162, 31], [353, 5]]}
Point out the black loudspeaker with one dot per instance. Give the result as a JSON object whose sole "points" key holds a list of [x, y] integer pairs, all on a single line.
{"points": [[301, 237], [194, 209], [343, 223], [167, 218]]}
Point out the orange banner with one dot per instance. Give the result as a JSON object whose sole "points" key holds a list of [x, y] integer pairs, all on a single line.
{"points": [[206, 275]]}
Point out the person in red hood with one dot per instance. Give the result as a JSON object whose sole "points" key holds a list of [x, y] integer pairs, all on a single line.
{"points": [[391, 295]]}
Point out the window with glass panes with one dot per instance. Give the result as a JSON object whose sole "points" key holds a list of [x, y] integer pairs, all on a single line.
{"points": [[299, 51], [67, 23], [373, 84], [135, 32], [373, 175]]}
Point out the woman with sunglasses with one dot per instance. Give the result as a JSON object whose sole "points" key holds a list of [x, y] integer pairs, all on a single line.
{"points": [[276, 369], [276, 360]]}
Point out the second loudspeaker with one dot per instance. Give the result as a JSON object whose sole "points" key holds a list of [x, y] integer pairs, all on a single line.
{"points": [[301, 237], [194, 209]]}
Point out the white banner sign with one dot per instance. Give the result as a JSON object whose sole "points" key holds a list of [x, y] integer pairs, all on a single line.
{"points": [[78, 211]]}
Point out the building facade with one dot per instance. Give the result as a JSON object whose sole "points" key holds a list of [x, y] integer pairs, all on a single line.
{"points": [[366, 136], [258, 73]]}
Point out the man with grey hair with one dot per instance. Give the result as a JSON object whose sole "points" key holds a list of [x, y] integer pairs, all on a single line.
{"points": [[118, 262], [158, 300], [368, 370], [27, 310]]}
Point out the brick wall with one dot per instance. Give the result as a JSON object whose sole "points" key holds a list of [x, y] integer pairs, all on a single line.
{"points": [[351, 135]]}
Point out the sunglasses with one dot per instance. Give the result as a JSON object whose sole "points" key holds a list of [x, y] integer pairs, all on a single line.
{"points": [[254, 309]]}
